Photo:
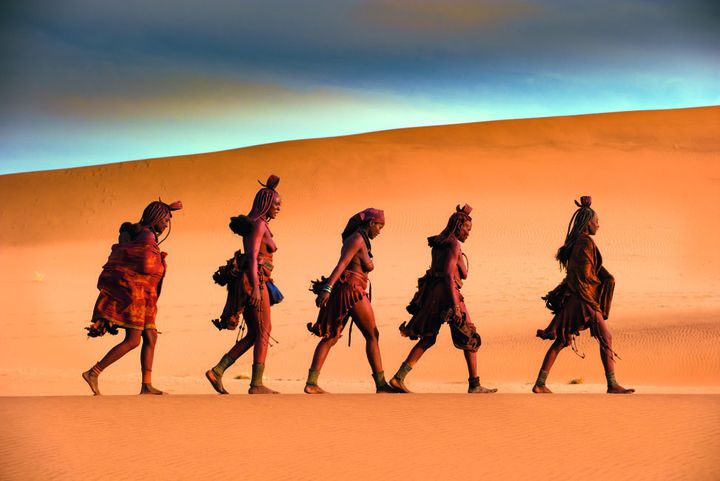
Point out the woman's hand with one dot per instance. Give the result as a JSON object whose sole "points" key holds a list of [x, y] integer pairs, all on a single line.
{"points": [[322, 299], [256, 298]]}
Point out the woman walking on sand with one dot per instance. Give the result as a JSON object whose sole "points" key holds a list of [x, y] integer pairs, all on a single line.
{"points": [[130, 284], [251, 291], [343, 295], [438, 300], [582, 300]]}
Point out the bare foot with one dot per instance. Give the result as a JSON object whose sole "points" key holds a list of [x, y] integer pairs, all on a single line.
{"points": [[149, 389], [398, 385], [92, 379], [261, 390], [216, 381], [314, 389], [481, 390], [541, 389], [618, 389]]}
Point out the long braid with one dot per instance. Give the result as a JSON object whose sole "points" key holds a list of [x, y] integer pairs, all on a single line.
{"points": [[577, 225]]}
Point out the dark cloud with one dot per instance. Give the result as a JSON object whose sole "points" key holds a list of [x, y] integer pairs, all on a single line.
{"points": [[343, 41]]}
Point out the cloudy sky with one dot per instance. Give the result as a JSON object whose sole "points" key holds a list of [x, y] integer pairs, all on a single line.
{"points": [[87, 82]]}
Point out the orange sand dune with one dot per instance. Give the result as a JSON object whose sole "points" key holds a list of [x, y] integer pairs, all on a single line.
{"points": [[654, 177], [655, 180], [362, 437]]}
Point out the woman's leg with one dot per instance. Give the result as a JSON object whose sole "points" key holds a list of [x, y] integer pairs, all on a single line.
{"points": [[147, 354], [550, 356], [474, 386], [605, 340], [321, 353], [261, 319], [417, 351], [607, 357], [471, 361], [364, 317], [131, 341], [245, 343], [215, 374]]}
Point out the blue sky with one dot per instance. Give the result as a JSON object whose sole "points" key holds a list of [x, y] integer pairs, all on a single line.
{"points": [[85, 82]]}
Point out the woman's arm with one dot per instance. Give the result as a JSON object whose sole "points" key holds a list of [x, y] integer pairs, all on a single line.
{"points": [[462, 266], [350, 247]]}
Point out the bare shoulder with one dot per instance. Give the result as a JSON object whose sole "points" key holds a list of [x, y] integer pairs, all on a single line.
{"points": [[259, 227], [354, 240]]}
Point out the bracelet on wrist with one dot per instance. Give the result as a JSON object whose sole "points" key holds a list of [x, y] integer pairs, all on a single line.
{"points": [[327, 288]]}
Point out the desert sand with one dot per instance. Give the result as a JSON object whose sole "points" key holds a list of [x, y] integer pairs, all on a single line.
{"points": [[355, 436], [655, 181]]}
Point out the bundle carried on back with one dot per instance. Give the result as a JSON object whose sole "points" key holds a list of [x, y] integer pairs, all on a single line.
{"points": [[241, 225], [230, 275], [237, 273]]}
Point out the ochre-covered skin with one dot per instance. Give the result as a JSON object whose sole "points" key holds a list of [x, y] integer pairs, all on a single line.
{"points": [[438, 300], [343, 295], [248, 293], [438, 297]]}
